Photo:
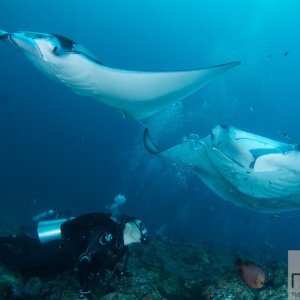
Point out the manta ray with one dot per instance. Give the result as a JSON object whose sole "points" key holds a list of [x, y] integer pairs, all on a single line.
{"points": [[249, 170], [136, 94]]}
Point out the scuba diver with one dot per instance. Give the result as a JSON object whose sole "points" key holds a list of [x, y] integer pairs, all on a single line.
{"points": [[94, 243]]}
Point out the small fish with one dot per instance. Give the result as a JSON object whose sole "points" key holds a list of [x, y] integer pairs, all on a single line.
{"points": [[251, 274], [286, 53], [269, 245], [285, 135]]}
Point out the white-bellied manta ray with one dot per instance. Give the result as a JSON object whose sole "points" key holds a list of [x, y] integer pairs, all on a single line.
{"points": [[136, 94], [249, 170]]}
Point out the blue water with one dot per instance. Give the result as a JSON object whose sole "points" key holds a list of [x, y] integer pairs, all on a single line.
{"points": [[63, 151]]}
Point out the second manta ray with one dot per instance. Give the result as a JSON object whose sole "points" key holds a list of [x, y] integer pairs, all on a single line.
{"points": [[247, 169], [136, 94]]}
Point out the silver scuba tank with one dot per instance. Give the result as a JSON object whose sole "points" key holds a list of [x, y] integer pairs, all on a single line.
{"points": [[50, 230]]}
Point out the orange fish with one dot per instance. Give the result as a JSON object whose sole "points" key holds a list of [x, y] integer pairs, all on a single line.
{"points": [[251, 274]]}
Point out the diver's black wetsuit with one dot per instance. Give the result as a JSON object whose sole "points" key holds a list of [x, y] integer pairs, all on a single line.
{"points": [[93, 242]]}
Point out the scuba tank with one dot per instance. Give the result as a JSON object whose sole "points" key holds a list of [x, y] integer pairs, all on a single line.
{"points": [[50, 230], [48, 224]]}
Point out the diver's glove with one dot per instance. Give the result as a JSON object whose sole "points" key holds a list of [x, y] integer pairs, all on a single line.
{"points": [[85, 294]]}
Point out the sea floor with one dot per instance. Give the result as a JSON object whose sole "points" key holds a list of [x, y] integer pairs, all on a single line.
{"points": [[164, 269]]}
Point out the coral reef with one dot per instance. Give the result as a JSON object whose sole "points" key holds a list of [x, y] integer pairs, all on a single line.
{"points": [[165, 269]]}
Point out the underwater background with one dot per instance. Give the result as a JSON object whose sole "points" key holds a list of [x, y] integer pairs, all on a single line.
{"points": [[66, 152]]}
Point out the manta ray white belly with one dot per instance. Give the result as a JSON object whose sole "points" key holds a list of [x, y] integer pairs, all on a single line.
{"points": [[137, 94]]}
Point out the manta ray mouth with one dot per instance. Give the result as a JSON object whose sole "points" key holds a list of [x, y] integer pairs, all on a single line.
{"points": [[25, 43]]}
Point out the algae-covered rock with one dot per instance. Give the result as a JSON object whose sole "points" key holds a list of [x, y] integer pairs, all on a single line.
{"points": [[165, 269]]}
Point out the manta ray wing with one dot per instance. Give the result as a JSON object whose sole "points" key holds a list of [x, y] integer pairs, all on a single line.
{"points": [[137, 94], [192, 154], [251, 171]]}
